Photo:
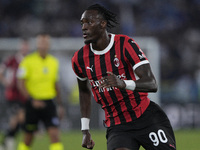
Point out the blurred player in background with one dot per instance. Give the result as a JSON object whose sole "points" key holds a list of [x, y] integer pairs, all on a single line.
{"points": [[38, 76], [120, 77], [14, 98]]}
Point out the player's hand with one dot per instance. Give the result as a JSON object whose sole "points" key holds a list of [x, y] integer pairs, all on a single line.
{"points": [[111, 81], [87, 141], [38, 104]]}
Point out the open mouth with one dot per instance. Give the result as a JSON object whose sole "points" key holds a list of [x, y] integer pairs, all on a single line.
{"points": [[85, 36]]}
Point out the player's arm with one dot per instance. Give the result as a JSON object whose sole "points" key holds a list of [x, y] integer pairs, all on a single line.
{"points": [[85, 107], [22, 88], [60, 108], [21, 75], [58, 94], [145, 83]]}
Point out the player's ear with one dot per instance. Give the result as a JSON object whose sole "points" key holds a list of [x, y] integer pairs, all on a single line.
{"points": [[103, 23]]}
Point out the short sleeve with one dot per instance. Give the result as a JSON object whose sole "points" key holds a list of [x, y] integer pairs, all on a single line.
{"points": [[134, 54], [77, 69], [22, 71]]}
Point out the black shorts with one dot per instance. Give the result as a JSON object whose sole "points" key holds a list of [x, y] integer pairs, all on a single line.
{"points": [[48, 116], [152, 130], [14, 107]]}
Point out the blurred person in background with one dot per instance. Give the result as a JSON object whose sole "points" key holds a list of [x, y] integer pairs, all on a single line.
{"points": [[14, 98], [38, 76], [120, 77]]}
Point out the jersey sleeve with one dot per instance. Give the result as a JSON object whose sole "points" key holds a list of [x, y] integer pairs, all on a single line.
{"points": [[134, 54], [22, 72], [77, 69]]}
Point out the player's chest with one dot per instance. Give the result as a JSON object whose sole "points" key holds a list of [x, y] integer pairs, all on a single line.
{"points": [[97, 66], [42, 68]]}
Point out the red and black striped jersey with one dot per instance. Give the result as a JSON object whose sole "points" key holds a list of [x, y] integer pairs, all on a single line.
{"points": [[122, 56], [11, 65]]}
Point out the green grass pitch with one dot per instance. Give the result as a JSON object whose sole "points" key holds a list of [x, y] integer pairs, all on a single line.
{"points": [[185, 139]]}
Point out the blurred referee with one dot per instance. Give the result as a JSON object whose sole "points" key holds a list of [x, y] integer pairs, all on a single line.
{"points": [[38, 81]]}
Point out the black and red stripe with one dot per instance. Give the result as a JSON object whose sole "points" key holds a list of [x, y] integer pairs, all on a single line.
{"points": [[120, 106]]}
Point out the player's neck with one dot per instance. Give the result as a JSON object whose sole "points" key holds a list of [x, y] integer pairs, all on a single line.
{"points": [[43, 55], [102, 43]]}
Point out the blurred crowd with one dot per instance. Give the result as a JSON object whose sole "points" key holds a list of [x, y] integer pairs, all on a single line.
{"points": [[174, 23]]}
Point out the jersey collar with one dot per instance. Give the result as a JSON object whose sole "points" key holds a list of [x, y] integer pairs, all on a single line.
{"points": [[106, 49]]}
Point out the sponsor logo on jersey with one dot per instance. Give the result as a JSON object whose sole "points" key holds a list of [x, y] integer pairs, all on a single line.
{"points": [[95, 84]]}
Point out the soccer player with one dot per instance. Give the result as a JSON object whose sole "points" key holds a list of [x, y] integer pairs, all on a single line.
{"points": [[38, 82], [120, 77], [14, 98]]}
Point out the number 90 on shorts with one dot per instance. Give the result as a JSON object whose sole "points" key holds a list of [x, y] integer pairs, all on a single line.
{"points": [[158, 137]]}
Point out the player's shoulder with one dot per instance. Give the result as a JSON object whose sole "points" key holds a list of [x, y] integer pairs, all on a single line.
{"points": [[29, 56], [123, 37], [80, 52]]}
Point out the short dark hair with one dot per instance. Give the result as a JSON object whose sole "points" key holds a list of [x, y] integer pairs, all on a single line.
{"points": [[109, 16]]}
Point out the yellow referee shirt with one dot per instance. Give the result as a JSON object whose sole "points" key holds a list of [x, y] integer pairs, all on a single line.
{"points": [[40, 75]]}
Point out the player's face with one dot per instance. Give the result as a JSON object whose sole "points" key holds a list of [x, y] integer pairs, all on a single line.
{"points": [[24, 48], [91, 26], [43, 43]]}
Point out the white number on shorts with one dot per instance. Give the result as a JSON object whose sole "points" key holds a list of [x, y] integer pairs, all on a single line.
{"points": [[159, 136]]}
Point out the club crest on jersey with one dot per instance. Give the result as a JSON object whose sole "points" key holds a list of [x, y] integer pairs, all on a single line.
{"points": [[116, 62], [45, 70]]}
